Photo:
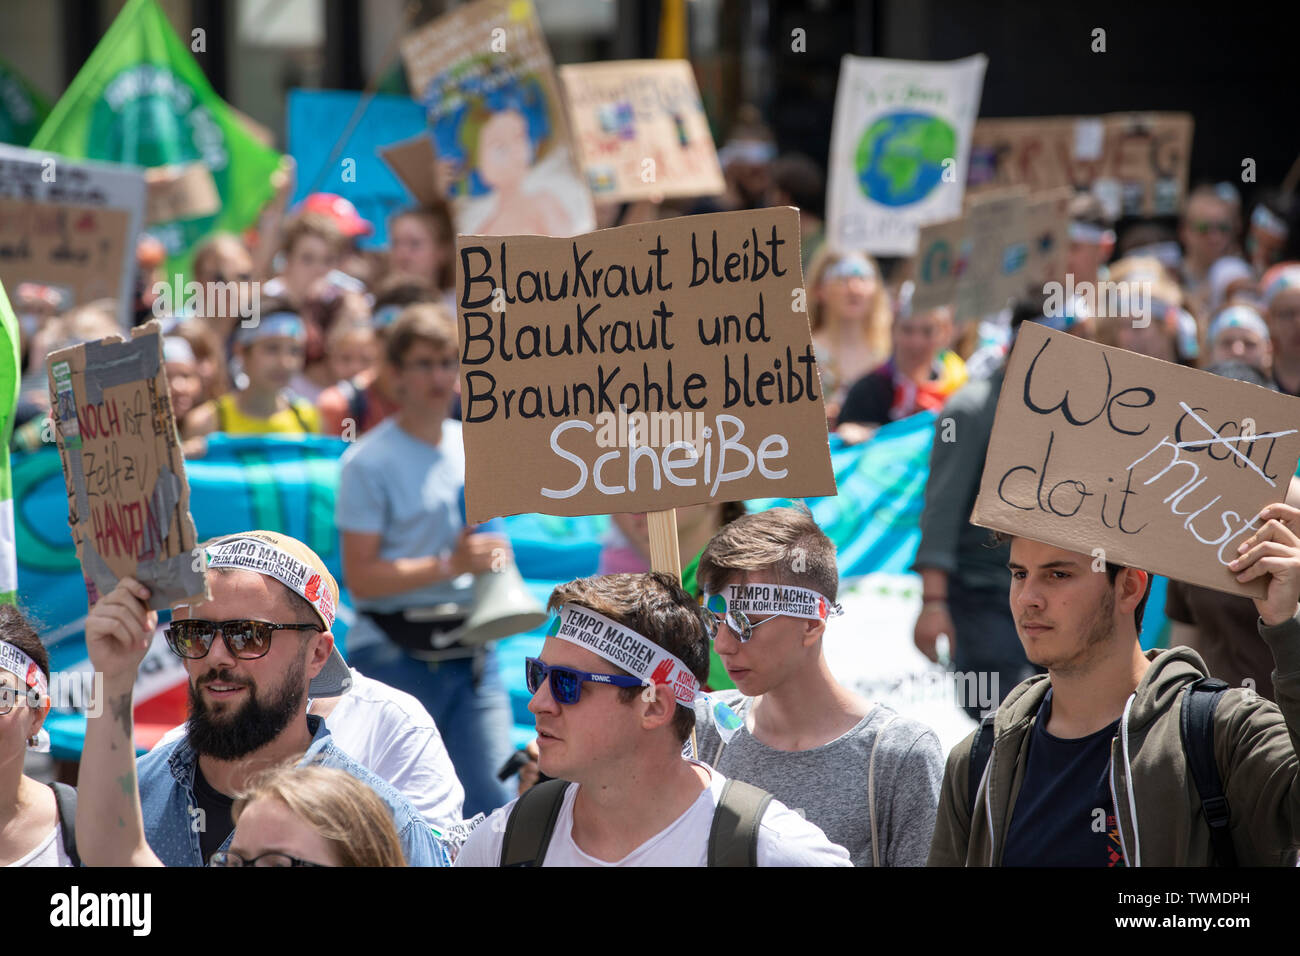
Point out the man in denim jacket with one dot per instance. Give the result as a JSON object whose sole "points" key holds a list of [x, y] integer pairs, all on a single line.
{"points": [[248, 696]]}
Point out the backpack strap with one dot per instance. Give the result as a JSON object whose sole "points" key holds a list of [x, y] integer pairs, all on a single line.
{"points": [[1196, 725], [296, 406], [531, 823], [65, 802], [357, 405], [733, 837], [981, 748]]}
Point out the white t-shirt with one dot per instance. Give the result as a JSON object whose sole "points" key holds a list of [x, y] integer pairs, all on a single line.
{"points": [[784, 837], [51, 852], [390, 733]]}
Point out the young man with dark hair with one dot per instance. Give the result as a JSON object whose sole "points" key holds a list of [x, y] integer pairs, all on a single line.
{"points": [[866, 776], [1103, 762], [612, 693]]}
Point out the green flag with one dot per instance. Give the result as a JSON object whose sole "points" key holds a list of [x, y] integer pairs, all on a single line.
{"points": [[22, 109], [10, 373], [141, 98]]}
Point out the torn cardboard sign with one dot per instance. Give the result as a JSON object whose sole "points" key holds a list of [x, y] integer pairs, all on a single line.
{"points": [[639, 368], [1153, 465], [72, 225], [641, 130], [185, 191], [128, 499], [497, 120]]}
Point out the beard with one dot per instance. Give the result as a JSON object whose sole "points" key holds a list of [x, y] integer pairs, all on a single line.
{"points": [[1096, 633], [229, 736]]}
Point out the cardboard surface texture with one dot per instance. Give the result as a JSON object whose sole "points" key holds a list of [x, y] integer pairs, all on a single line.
{"points": [[70, 224], [128, 499], [641, 130], [497, 121], [180, 192], [699, 319], [1162, 467], [1135, 163]]}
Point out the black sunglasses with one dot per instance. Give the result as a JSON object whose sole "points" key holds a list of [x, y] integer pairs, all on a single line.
{"points": [[246, 640], [227, 858]]}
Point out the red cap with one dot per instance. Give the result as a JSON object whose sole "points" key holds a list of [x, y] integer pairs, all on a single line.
{"points": [[342, 211]]}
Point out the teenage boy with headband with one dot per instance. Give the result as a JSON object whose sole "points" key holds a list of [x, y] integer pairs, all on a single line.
{"points": [[613, 694], [868, 777]]}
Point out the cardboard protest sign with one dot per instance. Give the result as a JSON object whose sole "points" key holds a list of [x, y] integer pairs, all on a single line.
{"points": [[975, 263], [413, 162], [899, 148], [128, 500], [1160, 467], [1135, 163], [319, 118], [1047, 227], [180, 192], [484, 73], [641, 130], [639, 368], [69, 224]]}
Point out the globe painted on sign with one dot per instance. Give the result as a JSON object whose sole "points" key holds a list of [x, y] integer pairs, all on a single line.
{"points": [[900, 157]]}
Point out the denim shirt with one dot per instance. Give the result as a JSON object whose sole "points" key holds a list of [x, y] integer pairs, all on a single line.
{"points": [[170, 811]]}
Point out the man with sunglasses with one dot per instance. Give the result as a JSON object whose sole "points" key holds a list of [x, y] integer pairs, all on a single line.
{"points": [[1208, 231], [613, 693], [254, 651], [866, 776]]}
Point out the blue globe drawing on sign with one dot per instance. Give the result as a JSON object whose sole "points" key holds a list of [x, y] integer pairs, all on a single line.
{"points": [[900, 157]]}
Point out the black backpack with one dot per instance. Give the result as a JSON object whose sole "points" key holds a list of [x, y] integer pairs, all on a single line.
{"points": [[733, 838], [65, 801], [1196, 727]]}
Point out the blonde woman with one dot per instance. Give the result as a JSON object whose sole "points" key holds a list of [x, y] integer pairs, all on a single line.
{"points": [[850, 318]]}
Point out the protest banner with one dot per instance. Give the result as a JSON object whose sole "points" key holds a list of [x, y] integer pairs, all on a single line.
{"points": [[128, 500], [1047, 226], [1135, 163], [485, 75], [1178, 462], [899, 147], [639, 368], [180, 192], [22, 108], [975, 263], [72, 225], [11, 370], [641, 131], [353, 167], [414, 163], [142, 98]]}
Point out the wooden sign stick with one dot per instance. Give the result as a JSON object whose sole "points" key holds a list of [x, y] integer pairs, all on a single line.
{"points": [[664, 553]]}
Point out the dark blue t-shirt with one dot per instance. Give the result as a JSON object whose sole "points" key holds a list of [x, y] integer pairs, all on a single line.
{"points": [[1063, 814]]}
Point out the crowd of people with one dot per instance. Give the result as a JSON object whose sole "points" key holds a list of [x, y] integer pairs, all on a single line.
{"points": [[720, 736]]}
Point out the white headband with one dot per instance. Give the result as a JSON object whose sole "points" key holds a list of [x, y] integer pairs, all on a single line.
{"points": [[1090, 233], [773, 599], [625, 648], [16, 661]]}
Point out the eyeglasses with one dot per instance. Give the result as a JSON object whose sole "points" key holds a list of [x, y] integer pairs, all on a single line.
{"points": [[428, 366], [739, 623], [246, 640], [10, 697], [1204, 226], [226, 858], [566, 683]]}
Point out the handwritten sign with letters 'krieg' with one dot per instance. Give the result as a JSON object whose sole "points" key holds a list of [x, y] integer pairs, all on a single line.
{"points": [[1161, 467], [640, 368], [128, 500]]}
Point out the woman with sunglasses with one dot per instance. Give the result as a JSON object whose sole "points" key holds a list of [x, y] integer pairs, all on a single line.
{"points": [[31, 821]]}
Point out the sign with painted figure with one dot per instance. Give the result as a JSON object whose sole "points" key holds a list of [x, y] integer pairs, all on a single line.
{"points": [[1133, 460], [128, 500], [639, 368], [70, 224], [1136, 164], [505, 154], [899, 148], [641, 130]]}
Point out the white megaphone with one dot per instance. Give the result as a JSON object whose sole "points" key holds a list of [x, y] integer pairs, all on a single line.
{"points": [[502, 607]]}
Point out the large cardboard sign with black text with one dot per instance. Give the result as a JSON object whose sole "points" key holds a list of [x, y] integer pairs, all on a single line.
{"points": [[1160, 467], [128, 499], [639, 368]]}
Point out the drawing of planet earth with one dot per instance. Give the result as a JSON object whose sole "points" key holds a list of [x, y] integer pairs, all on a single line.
{"points": [[900, 157]]}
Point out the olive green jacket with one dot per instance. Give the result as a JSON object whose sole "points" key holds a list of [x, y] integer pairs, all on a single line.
{"points": [[1155, 798]]}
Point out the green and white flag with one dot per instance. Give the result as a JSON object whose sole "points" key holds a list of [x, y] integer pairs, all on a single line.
{"points": [[10, 372], [142, 99], [22, 108]]}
